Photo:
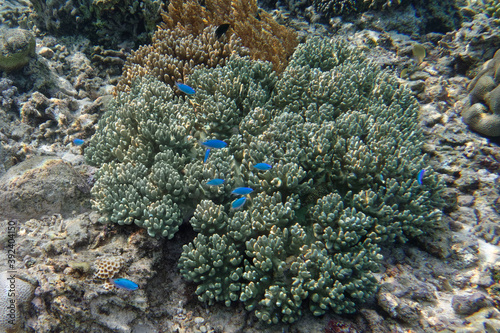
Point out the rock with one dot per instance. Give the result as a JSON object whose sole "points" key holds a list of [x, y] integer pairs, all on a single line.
{"points": [[66, 87], [42, 186], [468, 181], [46, 52], [376, 322], [485, 320], [465, 215], [17, 46], [496, 205], [430, 115], [469, 304], [482, 278], [450, 195], [417, 86], [401, 297], [465, 200]]}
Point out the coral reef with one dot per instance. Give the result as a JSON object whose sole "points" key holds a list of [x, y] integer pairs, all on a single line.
{"points": [[14, 13], [273, 260], [259, 32], [401, 15], [167, 174], [8, 94], [482, 110], [175, 53], [17, 46], [101, 20], [107, 268], [343, 7], [343, 140], [187, 40], [489, 8], [49, 102], [59, 254]]}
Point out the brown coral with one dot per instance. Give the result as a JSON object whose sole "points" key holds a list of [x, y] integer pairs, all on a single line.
{"points": [[186, 40], [266, 38], [174, 53]]}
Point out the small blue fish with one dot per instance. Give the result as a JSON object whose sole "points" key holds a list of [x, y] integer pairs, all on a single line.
{"points": [[214, 144], [125, 284], [78, 142], [238, 203], [420, 176], [242, 191], [262, 166], [206, 155], [185, 88], [215, 182]]}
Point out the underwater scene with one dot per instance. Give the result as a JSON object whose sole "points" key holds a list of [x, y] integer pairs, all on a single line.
{"points": [[220, 166]]}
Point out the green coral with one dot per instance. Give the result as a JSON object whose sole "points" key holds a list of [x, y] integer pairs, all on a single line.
{"points": [[345, 146], [152, 171], [343, 140]]}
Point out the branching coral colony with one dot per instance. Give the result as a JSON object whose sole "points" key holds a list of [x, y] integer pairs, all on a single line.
{"points": [[343, 141], [187, 40]]}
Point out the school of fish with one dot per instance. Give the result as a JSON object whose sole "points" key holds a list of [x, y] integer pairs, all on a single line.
{"points": [[242, 191]]}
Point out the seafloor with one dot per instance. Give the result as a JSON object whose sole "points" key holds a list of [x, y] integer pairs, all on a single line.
{"points": [[445, 282]]}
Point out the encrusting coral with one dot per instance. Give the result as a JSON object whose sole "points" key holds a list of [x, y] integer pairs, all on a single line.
{"points": [[108, 267], [187, 40], [482, 110], [343, 142]]}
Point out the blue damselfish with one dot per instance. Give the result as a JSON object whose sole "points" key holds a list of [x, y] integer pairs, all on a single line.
{"points": [[238, 203], [207, 153], [125, 284], [262, 166], [420, 176], [78, 142], [214, 144], [242, 191], [215, 182], [185, 88]]}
